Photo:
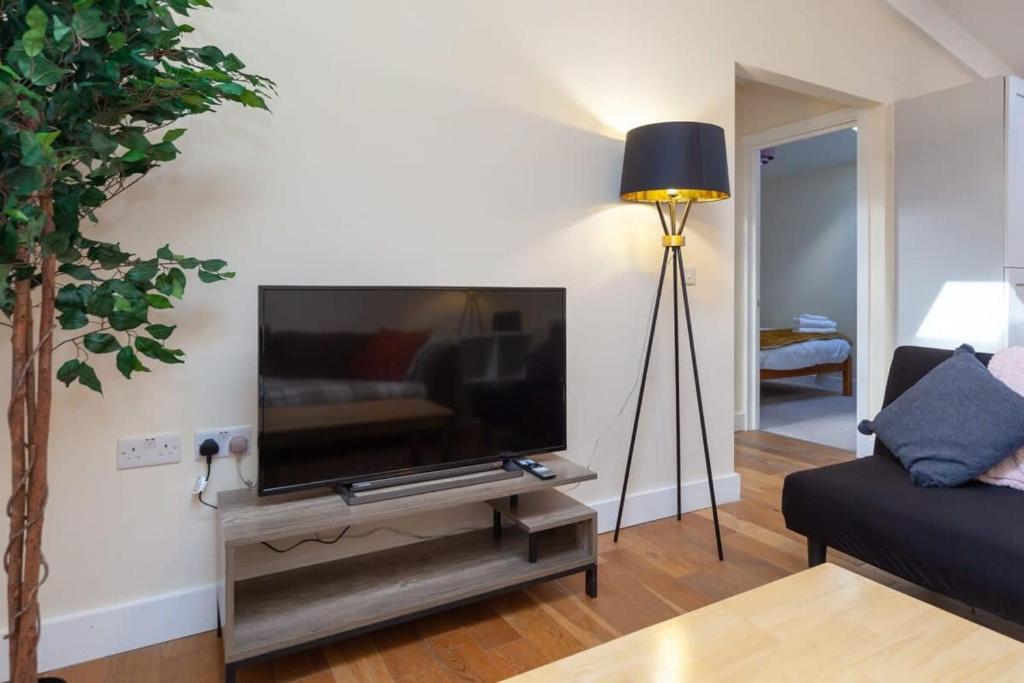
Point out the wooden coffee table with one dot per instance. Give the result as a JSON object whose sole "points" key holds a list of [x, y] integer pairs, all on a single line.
{"points": [[823, 624]]}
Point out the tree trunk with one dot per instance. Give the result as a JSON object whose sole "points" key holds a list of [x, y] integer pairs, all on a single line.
{"points": [[38, 488], [16, 422], [30, 421]]}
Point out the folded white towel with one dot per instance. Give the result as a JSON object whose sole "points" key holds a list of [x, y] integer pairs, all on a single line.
{"points": [[820, 330], [800, 322], [812, 316]]}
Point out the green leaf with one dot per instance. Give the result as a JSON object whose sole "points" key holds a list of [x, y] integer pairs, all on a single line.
{"points": [[134, 139], [134, 155], [60, 29], [211, 55], [25, 180], [162, 283], [87, 378], [89, 23], [178, 282], [100, 342], [32, 152], [101, 304], [208, 277], [165, 253], [68, 299], [41, 71], [103, 143], [187, 262], [163, 151], [213, 264], [157, 351], [73, 320], [160, 332], [251, 99], [46, 139], [231, 89], [57, 243], [79, 272], [213, 75], [34, 40], [232, 63], [173, 134], [158, 301], [68, 372], [36, 19], [128, 362], [116, 40], [93, 196], [143, 272], [121, 304], [123, 321]]}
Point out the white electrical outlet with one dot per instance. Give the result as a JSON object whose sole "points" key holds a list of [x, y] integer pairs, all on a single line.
{"points": [[691, 275], [151, 449], [223, 437]]}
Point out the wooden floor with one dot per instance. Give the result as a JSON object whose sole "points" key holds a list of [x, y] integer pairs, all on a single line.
{"points": [[656, 571]]}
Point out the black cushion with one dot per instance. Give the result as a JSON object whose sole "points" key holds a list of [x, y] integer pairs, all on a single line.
{"points": [[965, 542]]}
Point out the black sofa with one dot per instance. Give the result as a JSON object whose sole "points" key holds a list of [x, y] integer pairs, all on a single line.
{"points": [[965, 542]]}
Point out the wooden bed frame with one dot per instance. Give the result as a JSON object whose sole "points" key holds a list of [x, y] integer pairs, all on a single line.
{"points": [[846, 367]]}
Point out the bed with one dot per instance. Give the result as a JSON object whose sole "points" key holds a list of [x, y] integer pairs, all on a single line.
{"points": [[785, 353]]}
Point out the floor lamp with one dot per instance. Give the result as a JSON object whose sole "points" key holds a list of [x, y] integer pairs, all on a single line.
{"points": [[674, 165]]}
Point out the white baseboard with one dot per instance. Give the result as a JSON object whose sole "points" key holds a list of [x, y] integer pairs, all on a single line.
{"points": [[73, 638], [739, 422], [79, 637], [647, 506]]}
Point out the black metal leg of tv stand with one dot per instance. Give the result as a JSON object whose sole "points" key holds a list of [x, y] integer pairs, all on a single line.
{"points": [[533, 552], [496, 526], [592, 581]]}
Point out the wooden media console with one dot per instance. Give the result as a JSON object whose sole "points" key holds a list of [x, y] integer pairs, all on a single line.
{"points": [[266, 615]]}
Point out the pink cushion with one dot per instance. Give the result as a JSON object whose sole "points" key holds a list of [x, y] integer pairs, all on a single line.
{"points": [[1008, 366]]}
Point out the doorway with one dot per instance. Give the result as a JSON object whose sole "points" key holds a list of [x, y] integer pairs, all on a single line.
{"points": [[807, 303], [791, 400]]}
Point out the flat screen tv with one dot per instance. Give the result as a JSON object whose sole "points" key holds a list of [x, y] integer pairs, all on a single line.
{"points": [[362, 383]]}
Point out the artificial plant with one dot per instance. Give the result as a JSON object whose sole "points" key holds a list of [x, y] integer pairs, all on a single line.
{"points": [[89, 92]]}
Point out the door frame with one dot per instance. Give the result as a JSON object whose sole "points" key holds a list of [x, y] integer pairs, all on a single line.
{"points": [[750, 226]]}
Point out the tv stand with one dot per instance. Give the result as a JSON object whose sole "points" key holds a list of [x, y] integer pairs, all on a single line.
{"points": [[266, 615]]}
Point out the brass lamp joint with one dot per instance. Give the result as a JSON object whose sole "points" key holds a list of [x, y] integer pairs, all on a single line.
{"points": [[673, 241]]}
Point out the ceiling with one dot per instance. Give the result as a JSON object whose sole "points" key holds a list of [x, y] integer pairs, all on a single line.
{"points": [[802, 156], [997, 24]]}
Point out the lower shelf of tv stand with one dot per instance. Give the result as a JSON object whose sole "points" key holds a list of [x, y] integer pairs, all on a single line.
{"points": [[319, 602]]}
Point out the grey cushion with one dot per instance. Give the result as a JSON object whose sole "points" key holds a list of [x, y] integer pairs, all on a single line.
{"points": [[953, 424]]}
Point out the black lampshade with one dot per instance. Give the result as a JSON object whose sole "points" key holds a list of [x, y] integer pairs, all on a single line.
{"points": [[682, 160]]}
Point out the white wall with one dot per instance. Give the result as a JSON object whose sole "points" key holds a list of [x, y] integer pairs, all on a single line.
{"points": [[760, 106], [454, 142], [950, 267], [809, 246]]}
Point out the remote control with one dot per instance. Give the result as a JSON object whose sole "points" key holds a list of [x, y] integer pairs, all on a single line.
{"points": [[534, 468]]}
